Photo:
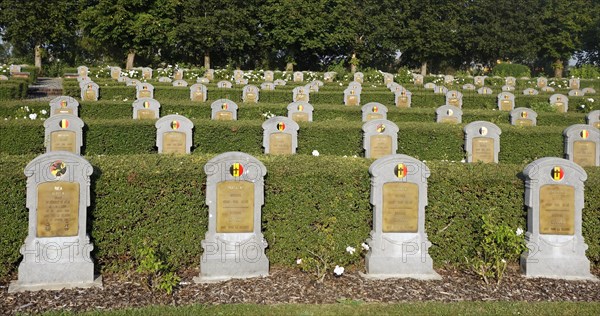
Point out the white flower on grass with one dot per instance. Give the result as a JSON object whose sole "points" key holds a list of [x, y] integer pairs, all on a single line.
{"points": [[338, 270], [463, 161], [125, 99], [582, 106], [503, 261], [298, 261], [43, 112], [315, 153], [365, 246], [33, 116], [519, 231], [350, 250], [590, 100]]}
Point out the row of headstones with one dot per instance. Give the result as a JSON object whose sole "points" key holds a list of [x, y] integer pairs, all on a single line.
{"points": [[15, 72], [510, 82], [438, 89], [57, 250]]}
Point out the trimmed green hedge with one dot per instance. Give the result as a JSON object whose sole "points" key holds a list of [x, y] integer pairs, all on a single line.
{"points": [[161, 198], [14, 89]]}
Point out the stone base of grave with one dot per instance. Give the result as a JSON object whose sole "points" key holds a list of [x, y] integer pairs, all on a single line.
{"points": [[55, 276], [212, 271], [18, 286], [575, 267]]}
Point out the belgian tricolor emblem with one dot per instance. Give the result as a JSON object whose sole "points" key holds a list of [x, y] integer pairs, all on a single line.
{"points": [[375, 109], [558, 173], [300, 108], [236, 169], [524, 114], [146, 104], [400, 170], [483, 131], [280, 126], [175, 125], [224, 106], [63, 103], [58, 168], [380, 128], [64, 123], [449, 112], [584, 134]]}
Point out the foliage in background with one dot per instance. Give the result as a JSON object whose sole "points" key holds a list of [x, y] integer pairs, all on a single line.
{"points": [[512, 70], [585, 72]]}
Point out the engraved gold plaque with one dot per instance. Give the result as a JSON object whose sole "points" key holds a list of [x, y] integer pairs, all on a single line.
{"points": [[63, 140], [400, 207], [235, 207], [596, 124], [89, 95], [482, 149], [63, 111], [506, 105], [301, 97], [584, 153], [300, 117], [352, 100], [560, 107], [57, 209], [251, 98], [198, 96], [146, 114], [374, 116], [449, 119], [145, 94], [224, 116], [524, 122], [557, 209], [454, 101], [280, 144], [174, 143], [381, 145], [402, 102]]}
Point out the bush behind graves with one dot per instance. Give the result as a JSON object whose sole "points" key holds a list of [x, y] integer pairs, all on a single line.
{"points": [[512, 70]]}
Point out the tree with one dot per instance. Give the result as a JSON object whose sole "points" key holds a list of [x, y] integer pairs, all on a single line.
{"points": [[590, 52]]}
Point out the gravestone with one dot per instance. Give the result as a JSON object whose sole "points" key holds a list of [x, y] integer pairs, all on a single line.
{"points": [[576, 93], [198, 92], [241, 81], [146, 109], [374, 111], [300, 94], [351, 97], [542, 82], [12, 69], [448, 114], [448, 79], [224, 110], [418, 80], [83, 81], [144, 90], [224, 84], [250, 94], [484, 90], [359, 77], [582, 145], [593, 118], [398, 244], [82, 71], [63, 132], [588, 90], [387, 78], [238, 75], [124, 79], [523, 117], [269, 76], [394, 87], [203, 80], [280, 136], [174, 134], [547, 89], [57, 250], [209, 74], [454, 98], [318, 82], [298, 76], [115, 72], [574, 84], [403, 99], [469, 86], [178, 75], [90, 92], [280, 82], [180, 83], [508, 88], [554, 197], [300, 111], [506, 101], [530, 91], [3, 78], [560, 102], [479, 81], [510, 81], [267, 86], [234, 246], [165, 79], [329, 76], [355, 85], [482, 142], [440, 90], [430, 85], [380, 138], [132, 82], [312, 87], [147, 73], [64, 105]]}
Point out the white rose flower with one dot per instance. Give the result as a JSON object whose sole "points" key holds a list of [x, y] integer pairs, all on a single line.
{"points": [[338, 270], [33, 116], [315, 153], [44, 112], [519, 231], [365, 246], [298, 261], [350, 250]]}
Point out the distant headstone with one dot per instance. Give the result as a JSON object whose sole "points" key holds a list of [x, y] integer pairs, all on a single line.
{"points": [[268, 86], [448, 79], [198, 92], [508, 88], [242, 81], [269, 76], [209, 74], [329, 76], [359, 77], [90, 92], [300, 94], [238, 75], [144, 90], [542, 82], [387, 78], [530, 91], [440, 90], [178, 75], [398, 244], [203, 80], [479, 81], [418, 80], [57, 250], [180, 83], [312, 87], [83, 81], [3, 78], [250, 94], [554, 198], [523, 117], [147, 73], [469, 86], [82, 71], [547, 89], [448, 114], [593, 118], [482, 142], [279, 82], [280, 136], [574, 84], [146, 109], [132, 82], [510, 81], [300, 111], [224, 84], [582, 145], [63, 132], [484, 90], [115, 72], [224, 110], [174, 134], [560, 102], [12, 69], [576, 93], [403, 99], [506, 101], [589, 90], [318, 82], [351, 97], [165, 79], [380, 138], [454, 98], [374, 111], [234, 246], [298, 76], [430, 85], [394, 87], [64, 105]]}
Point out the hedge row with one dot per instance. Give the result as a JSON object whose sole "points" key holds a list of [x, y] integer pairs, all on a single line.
{"points": [[14, 89], [422, 140], [162, 198]]}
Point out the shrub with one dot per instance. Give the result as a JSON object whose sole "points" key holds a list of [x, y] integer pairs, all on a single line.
{"points": [[586, 71], [513, 70]]}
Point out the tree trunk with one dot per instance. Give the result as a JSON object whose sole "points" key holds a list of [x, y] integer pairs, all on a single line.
{"points": [[424, 68], [558, 68], [206, 60], [289, 66], [38, 57], [353, 64], [130, 59]]}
